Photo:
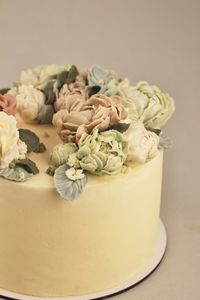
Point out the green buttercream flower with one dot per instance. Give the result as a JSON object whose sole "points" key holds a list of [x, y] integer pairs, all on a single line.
{"points": [[146, 103], [60, 156], [102, 153]]}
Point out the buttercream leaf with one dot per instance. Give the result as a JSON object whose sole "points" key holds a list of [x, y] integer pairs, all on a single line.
{"points": [[67, 188], [49, 91], [15, 174], [121, 127], [46, 113], [164, 141], [31, 140], [94, 90], [73, 72], [41, 148], [28, 165], [61, 79], [156, 131], [4, 91]]}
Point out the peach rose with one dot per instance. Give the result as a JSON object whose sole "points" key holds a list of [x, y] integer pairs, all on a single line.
{"points": [[8, 104], [71, 93], [84, 116]]}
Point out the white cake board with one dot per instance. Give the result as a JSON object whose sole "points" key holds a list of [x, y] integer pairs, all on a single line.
{"points": [[155, 261]]}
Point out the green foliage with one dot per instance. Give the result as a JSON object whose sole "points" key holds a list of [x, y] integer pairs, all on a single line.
{"points": [[4, 91], [28, 165], [31, 140]]}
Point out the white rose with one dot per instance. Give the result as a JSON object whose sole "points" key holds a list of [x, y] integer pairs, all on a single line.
{"points": [[143, 144], [41, 74], [29, 102], [9, 137]]}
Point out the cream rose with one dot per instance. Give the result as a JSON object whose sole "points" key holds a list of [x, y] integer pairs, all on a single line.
{"points": [[9, 137], [143, 144], [22, 148], [29, 102]]}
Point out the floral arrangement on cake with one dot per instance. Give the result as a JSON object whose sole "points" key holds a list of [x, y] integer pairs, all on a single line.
{"points": [[105, 124]]}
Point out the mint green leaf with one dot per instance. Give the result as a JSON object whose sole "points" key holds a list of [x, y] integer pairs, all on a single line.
{"points": [[15, 174], [68, 189], [164, 141]]}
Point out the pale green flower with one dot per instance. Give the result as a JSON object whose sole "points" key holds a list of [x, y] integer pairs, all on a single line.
{"points": [[102, 153], [60, 155], [39, 75], [146, 103]]}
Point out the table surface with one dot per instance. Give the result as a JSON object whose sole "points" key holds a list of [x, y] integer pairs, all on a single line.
{"points": [[157, 41]]}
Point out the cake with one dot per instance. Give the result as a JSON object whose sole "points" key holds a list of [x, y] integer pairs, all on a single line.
{"points": [[81, 164]]}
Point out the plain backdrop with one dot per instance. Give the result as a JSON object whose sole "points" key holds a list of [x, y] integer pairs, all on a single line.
{"points": [[157, 41]]}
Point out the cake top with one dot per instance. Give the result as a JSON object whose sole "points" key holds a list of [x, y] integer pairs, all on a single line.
{"points": [[104, 122]]}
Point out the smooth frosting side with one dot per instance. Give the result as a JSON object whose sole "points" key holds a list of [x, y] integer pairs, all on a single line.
{"points": [[51, 247]]}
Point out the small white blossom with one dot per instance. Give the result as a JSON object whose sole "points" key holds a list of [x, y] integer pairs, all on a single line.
{"points": [[74, 174]]}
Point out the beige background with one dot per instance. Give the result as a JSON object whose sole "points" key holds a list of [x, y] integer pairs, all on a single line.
{"points": [[158, 41]]}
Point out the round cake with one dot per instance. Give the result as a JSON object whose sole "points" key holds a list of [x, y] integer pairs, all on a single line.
{"points": [[81, 165]]}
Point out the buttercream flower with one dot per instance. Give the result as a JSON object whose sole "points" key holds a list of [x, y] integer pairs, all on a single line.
{"points": [[102, 153], [22, 149], [29, 102], [39, 75], [69, 182], [143, 144], [146, 103], [60, 156], [8, 104], [70, 95], [9, 137], [98, 112], [82, 77], [105, 79], [74, 174]]}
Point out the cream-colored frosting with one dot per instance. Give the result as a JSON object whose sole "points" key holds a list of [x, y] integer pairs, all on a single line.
{"points": [[51, 247]]}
